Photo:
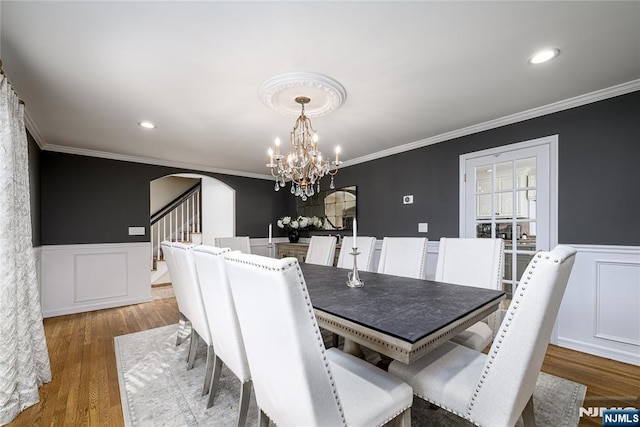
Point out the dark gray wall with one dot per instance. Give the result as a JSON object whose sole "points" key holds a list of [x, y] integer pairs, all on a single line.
{"points": [[93, 200], [34, 187], [599, 179]]}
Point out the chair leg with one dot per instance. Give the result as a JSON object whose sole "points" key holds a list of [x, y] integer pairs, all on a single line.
{"points": [[263, 420], [215, 379], [402, 420], [193, 349], [528, 416], [211, 355], [182, 321], [336, 339], [243, 406]]}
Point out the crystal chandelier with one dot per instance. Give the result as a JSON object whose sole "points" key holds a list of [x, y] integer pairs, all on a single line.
{"points": [[304, 164]]}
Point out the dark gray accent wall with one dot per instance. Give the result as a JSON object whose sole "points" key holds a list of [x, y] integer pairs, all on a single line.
{"points": [[599, 178], [34, 189], [93, 200]]}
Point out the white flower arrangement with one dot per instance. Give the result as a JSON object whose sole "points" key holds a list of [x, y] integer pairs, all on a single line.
{"points": [[300, 223]]}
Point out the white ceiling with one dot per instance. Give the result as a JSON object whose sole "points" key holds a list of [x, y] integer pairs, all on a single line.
{"points": [[413, 71]]}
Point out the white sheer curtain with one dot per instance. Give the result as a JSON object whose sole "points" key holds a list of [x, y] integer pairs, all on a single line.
{"points": [[24, 359]]}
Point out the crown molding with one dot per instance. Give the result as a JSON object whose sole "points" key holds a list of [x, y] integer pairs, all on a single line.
{"points": [[152, 161], [555, 107], [33, 129]]}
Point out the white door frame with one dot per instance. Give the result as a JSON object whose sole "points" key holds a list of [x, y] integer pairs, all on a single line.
{"points": [[551, 142]]}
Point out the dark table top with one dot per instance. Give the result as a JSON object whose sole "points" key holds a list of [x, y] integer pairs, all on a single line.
{"points": [[405, 308]]}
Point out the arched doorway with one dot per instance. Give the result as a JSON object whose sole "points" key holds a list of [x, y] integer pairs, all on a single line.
{"points": [[211, 213]]}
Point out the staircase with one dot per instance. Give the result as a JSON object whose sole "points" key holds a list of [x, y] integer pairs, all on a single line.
{"points": [[179, 221]]}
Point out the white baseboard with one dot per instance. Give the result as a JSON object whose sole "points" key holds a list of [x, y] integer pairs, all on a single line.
{"points": [[597, 350], [79, 278]]}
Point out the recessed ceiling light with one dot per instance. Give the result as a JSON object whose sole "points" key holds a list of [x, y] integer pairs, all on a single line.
{"points": [[544, 56], [147, 125]]}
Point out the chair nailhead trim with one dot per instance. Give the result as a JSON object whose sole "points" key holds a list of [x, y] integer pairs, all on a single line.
{"points": [[487, 369], [295, 264]]}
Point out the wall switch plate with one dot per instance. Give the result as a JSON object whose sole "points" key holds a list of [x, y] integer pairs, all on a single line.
{"points": [[423, 227], [137, 231], [407, 200]]}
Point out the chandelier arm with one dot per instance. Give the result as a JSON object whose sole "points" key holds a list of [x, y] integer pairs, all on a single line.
{"points": [[274, 175]]}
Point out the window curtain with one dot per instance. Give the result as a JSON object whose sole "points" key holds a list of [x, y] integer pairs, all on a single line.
{"points": [[24, 359]]}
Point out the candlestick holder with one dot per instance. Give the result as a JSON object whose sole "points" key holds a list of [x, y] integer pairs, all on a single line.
{"points": [[354, 280], [270, 247]]}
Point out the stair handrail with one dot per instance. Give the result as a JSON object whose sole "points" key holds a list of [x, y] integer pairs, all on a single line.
{"points": [[174, 203]]}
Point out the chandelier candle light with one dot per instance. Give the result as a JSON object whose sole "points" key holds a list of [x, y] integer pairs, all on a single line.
{"points": [[304, 164]]}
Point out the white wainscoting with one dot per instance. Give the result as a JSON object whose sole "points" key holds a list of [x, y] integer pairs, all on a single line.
{"points": [[79, 278], [600, 311], [599, 314]]}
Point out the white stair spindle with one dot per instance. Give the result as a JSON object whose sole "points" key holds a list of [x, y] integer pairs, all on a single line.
{"points": [[198, 205], [158, 237], [186, 202], [151, 231]]}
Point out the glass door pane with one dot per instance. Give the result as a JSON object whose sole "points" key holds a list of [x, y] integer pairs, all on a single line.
{"points": [[505, 194]]}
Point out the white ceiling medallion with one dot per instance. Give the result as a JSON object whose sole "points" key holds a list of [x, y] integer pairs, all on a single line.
{"points": [[280, 92]]}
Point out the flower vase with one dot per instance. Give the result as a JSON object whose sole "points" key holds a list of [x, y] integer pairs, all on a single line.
{"points": [[294, 236]]}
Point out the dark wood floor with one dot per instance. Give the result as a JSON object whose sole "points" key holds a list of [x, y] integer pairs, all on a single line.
{"points": [[85, 390]]}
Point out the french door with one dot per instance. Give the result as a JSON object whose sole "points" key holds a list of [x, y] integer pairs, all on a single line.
{"points": [[510, 193]]}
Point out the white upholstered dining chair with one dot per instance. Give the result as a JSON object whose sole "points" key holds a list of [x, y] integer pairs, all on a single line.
{"points": [[223, 323], [178, 289], [321, 251], [366, 246], [297, 381], [183, 255], [237, 243], [473, 262], [495, 389], [404, 256]]}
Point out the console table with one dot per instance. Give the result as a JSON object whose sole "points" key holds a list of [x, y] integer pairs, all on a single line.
{"points": [[299, 251]]}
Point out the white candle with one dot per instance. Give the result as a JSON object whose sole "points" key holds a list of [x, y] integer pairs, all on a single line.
{"points": [[355, 233], [270, 232]]}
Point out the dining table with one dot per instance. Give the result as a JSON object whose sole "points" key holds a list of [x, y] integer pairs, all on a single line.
{"points": [[398, 317]]}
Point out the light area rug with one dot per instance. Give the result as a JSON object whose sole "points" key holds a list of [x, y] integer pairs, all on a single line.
{"points": [[157, 390]]}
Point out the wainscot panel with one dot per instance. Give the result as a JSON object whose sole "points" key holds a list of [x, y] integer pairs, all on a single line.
{"points": [[79, 278], [600, 311]]}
